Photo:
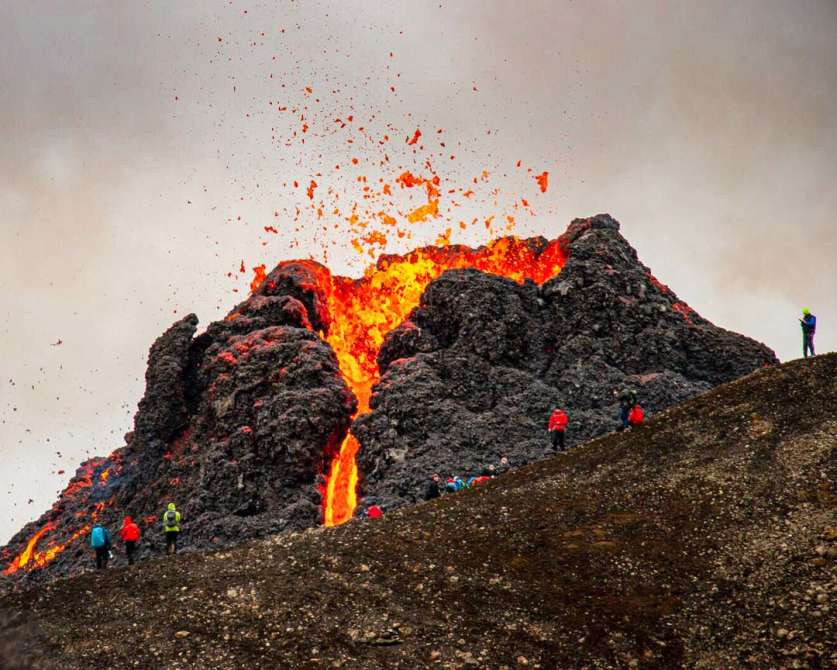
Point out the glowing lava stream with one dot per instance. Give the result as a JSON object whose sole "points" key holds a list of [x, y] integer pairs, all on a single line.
{"points": [[38, 559], [363, 311]]}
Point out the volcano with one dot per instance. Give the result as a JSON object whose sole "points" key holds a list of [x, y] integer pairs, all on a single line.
{"points": [[320, 393]]}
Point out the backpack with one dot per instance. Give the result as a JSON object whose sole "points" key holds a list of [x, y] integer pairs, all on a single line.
{"points": [[170, 518], [98, 538], [636, 416]]}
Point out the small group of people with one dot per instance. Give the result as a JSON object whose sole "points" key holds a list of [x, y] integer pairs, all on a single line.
{"points": [[631, 415], [455, 483], [100, 537]]}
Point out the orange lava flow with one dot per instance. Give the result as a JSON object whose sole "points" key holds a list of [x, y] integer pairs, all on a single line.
{"points": [[25, 556], [364, 310], [37, 559]]}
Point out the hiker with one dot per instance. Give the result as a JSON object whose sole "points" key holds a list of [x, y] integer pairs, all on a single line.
{"points": [[100, 541], [627, 400], [130, 534], [432, 489], [504, 465], [374, 512], [809, 327], [636, 416], [556, 427], [171, 527]]}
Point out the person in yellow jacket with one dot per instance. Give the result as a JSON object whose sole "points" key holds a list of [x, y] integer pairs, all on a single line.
{"points": [[171, 527]]}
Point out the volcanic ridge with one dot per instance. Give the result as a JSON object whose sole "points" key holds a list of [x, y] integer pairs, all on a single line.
{"points": [[320, 393]]}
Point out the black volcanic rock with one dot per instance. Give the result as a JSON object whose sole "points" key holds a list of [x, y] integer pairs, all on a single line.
{"points": [[271, 404], [162, 413], [299, 280], [476, 370], [686, 544], [235, 427]]}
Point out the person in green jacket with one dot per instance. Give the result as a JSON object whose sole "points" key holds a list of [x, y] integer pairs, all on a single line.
{"points": [[171, 527]]}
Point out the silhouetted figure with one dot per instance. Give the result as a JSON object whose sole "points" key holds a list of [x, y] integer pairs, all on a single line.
{"points": [[432, 489], [627, 400], [809, 327]]}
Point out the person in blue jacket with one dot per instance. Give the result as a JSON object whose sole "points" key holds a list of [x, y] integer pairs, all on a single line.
{"points": [[100, 541], [809, 327]]}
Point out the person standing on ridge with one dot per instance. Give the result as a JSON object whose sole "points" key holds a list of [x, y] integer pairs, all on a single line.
{"points": [[809, 327], [171, 527], [557, 426], [627, 400], [130, 534], [100, 541]]}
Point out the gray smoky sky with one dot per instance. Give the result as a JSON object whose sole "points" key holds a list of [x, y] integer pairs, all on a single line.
{"points": [[139, 166]]}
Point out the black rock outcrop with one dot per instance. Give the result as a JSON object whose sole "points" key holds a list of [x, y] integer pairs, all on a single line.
{"points": [[234, 427], [474, 373]]}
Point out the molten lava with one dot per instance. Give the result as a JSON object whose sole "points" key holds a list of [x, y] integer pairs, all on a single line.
{"points": [[26, 555], [364, 310], [94, 477], [37, 559]]}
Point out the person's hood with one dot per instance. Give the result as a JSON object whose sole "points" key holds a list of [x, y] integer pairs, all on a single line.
{"points": [[171, 507], [127, 521]]}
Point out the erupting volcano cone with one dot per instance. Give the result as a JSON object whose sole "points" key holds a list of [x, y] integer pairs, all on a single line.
{"points": [[363, 311]]}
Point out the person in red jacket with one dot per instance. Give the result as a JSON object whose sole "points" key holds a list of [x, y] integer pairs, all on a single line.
{"points": [[130, 534], [374, 512], [558, 422], [636, 417]]}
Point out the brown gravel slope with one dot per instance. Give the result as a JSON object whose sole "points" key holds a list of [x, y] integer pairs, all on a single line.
{"points": [[705, 539]]}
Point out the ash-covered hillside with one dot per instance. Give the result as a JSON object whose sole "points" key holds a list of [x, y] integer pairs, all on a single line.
{"points": [[239, 424], [704, 539]]}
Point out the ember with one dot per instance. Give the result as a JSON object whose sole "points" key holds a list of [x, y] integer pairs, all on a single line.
{"points": [[259, 272]]}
